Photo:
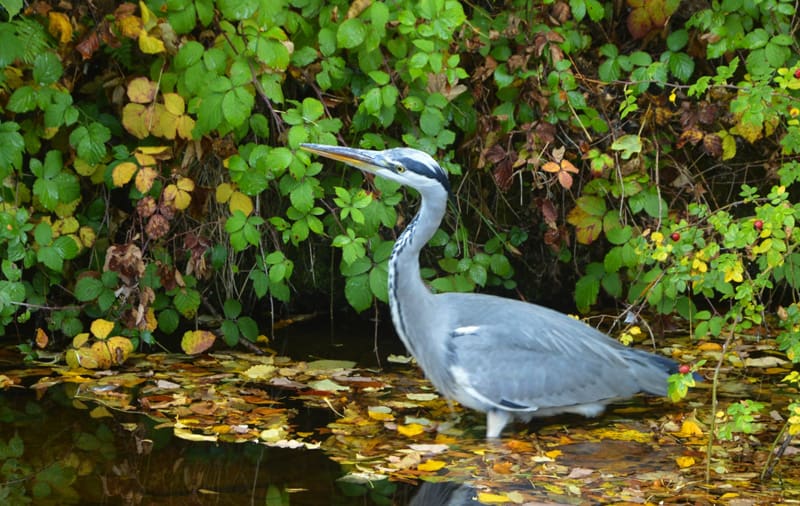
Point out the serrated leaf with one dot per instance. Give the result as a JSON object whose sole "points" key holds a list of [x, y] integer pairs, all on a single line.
{"points": [[88, 288], [122, 173], [101, 328], [195, 342], [357, 292], [351, 33]]}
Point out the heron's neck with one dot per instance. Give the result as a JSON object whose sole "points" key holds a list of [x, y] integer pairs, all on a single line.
{"points": [[410, 300]]}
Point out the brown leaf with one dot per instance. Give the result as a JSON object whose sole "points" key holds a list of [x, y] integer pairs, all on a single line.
{"points": [[126, 261], [712, 144], [195, 342], [88, 45], [157, 227], [503, 175]]}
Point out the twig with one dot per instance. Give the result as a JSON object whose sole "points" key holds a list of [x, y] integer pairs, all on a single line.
{"points": [[715, 382]]}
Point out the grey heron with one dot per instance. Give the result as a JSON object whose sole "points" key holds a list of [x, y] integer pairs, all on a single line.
{"points": [[507, 358]]}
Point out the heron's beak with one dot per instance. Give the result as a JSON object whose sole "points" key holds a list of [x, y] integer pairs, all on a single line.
{"points": [[363, 159]]}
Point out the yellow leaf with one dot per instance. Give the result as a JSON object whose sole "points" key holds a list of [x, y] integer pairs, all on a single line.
{"points": [[728, 147], [551, 167], [380, 413], [100, 412], [188, 435], [734, 273], [137, 119], [690, 428], [101, 328], [80, 339], [488, 498], [142, 90], [553, 453], [87, 236], [123, 173], [260, 372], [120, 348], [224, 192], [165, 124], [149, 44], [185, 184], [411, 430], [241, 202], [431, 465], [179, 198], [41, 338], [148, 18], [59, 26], [684, 462], [151, 320], [145, 178], [68, 225], [101, 354], [130, 26], [185, 127], [174, 103], [195, 342]]}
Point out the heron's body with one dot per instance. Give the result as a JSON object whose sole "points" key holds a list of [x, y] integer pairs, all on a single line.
{"points": [[507, 358]]}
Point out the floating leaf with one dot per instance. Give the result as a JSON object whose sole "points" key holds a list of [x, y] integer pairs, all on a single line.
{"points": [[411, 430], [431, 465]]}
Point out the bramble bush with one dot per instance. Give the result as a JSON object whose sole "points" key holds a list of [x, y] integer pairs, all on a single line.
{"points": [[151, 177]]}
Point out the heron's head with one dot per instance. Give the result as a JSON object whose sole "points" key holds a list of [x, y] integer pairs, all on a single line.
{"points": [[407, 166]]}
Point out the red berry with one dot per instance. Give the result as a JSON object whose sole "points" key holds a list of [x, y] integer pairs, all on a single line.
{"points": [[675, 236], [797, 73], [684, 369], [758, 224]]}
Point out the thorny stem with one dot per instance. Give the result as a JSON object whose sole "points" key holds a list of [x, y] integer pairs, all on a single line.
{"points": [[715, 383]]}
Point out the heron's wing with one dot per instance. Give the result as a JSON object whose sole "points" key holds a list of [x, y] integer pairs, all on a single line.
{"points": [[528, 358]]}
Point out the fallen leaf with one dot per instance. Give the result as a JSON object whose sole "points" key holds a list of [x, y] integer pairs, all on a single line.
{"points": [[411, 430], [431, 465], [101, 328], [684, 462], [487, 498]]}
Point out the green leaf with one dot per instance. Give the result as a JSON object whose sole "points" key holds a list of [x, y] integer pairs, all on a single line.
{"points": [[22, 100], [230, 332], [237, 9], [237, 104], [47, 69], [187, 301], [351, 33], [66, 247], [586, 290], [357, 292], [232, 308], [379, 282], [249, 328], [88, 288], [11, 146], [90, 142]]}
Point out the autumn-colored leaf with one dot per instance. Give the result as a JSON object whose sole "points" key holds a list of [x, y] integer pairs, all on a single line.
{"points": [[130, 26], [224, 192], [690, 428], [87, 235], [195, 342], [551, 167], [101, 328], [174, 103], [178, 193], [142, 90], [80, 339], [684, 461], [102, 355], [149, 44], [41, 338], [88, 45], [431, 465], [145, 178], [260, 372], [122, 173], [120, 348], [489, 498], [59, 26], [564, 179], [240, 202], [137, 119], [411, 430]]}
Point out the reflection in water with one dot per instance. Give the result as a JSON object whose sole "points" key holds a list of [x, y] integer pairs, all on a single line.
{"points": [[444, 494]]}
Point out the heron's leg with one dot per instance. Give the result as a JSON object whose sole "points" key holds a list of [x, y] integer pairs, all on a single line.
{"points": [[495, 421]]}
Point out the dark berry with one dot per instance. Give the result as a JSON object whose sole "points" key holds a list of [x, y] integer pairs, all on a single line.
{"points": [[675, 236], [797, 73], [684, 369], [758, 224]]}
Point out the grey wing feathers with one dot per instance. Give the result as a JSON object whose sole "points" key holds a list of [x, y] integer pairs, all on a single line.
{"points": [[523, 357]]}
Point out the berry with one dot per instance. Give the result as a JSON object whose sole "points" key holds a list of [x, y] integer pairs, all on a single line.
{"points": [[758, 224], [684, 369], [797, 73], [675, 236]]}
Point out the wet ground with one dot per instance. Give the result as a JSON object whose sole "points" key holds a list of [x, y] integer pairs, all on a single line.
{"points": [[58, 446]]}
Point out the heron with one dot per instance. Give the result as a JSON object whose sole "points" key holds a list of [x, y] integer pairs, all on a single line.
{"points": [[510, 359]]}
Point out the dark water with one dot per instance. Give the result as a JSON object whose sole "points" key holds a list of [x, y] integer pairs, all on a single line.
{"points": [[56, 450]]}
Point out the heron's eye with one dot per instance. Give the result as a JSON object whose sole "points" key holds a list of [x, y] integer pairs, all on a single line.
{"points": [[399, 168]]}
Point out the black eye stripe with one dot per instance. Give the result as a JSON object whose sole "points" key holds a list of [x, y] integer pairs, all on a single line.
{"points": [[426, 170]]}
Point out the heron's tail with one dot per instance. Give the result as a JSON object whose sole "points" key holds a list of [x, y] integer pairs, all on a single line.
{"points": [[652, 371]]}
